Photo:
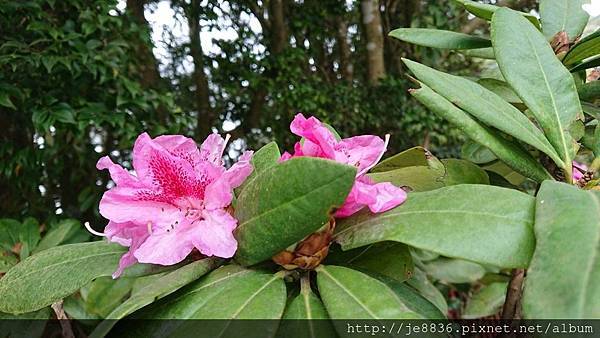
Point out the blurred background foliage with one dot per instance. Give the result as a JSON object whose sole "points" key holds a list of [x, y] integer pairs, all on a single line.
{"points": [[80, 79]]}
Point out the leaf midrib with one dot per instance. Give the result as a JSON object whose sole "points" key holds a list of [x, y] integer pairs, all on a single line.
{"points": [[323, 270]]}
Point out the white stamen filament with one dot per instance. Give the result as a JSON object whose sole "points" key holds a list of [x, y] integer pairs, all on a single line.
{"points": [[92, 231], [387, 141]]}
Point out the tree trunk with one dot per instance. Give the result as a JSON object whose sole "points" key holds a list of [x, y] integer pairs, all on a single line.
{"points": [[206, 116], [371, 19], [346, 67]]}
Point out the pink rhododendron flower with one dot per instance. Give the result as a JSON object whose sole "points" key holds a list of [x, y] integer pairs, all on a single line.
{"points": [[579, 170], [363, 152], [175, 202]]}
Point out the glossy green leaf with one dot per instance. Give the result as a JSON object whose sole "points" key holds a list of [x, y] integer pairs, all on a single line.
{"points": [[486, 301], [484, 224], [563, 16], [539, 78], [476, 153], [416, 156], [159, 288], [484, 105], [454, 270], [411, 298], [423, 285], [592, 63], [281, 207], [305, 316], [463, 172], [437, 38], [265, 157], [230, 292], [510, 153], [585, 48], [390, 259], [350, 294], [486, 11], [418, 178], [53, 274], [563, 280]]}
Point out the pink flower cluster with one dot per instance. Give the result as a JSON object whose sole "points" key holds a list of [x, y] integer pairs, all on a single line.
{"points": [[176, 201], [179, 196], [363, 152]]}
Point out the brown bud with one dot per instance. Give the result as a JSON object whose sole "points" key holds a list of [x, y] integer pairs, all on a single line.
{"points": [[310, 252], [560, 43]]}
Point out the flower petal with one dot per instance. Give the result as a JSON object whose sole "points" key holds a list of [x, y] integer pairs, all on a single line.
{"points": [[180, 146], [360, 151], [167, 247], [128, 259], [319, 141], [214, 235], [219, 194], [212, 149], [119, 175], [379, 197]]}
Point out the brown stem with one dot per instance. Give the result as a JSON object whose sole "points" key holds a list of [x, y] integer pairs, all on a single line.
{"points": [[65, 323], [512, 304]]}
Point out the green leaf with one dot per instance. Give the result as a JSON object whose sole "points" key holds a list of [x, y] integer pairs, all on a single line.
{"points": [[159, 288], [476, 153], [563, 16], [454, 270], [563, 280], [590, 91], [486, 11], [9, 233], [390, 259], [106, 293], [510, 153], [264, 158], [592, 63], [281, 206], [28, 325], [7, 261], [585, 48], [305, 316], [416, 156], [484, 105], [423, 285], [418, 178], [486, 301], [591, 139], [439, 38], [411, 298], [55, 273], [482, 53], [506, 172], [58, 234], [539, 78], [6, 101], [463, 172], [230, 292], [480, 223], [29, 236], [501, 89], [349, 294]]}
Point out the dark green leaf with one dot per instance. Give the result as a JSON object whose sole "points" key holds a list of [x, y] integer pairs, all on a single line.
{"points": [[265, 157], [423, 285], [55, 273], [486, 11], [349, 294], [482, 53], [539, 78], [595, 62], [27, 325], [486, 301], [563, 16], [476, 153], [6, 101], [501, 88], [463, 172], [58, 234], [417, 156], [105, 294], [590, 91], [454, 270], [484, 224], [563, 280], [508, 152], [484, 105], [281, 207], [585, 48], [159, 288], [29, 236], [439, 38]]}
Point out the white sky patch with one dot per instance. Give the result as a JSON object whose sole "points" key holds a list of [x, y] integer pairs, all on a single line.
{"points": [[593, 8]]}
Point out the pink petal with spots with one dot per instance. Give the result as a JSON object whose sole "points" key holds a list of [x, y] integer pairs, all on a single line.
{"points": [[212, 149], [167, 247], [129, 259], [214, 235], [219, 194], [362, 151], [180, 146], [119, 175], [379, 197]]}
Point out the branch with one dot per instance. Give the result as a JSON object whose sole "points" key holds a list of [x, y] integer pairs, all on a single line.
{"points": [[65, 323], [512, 303]]}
